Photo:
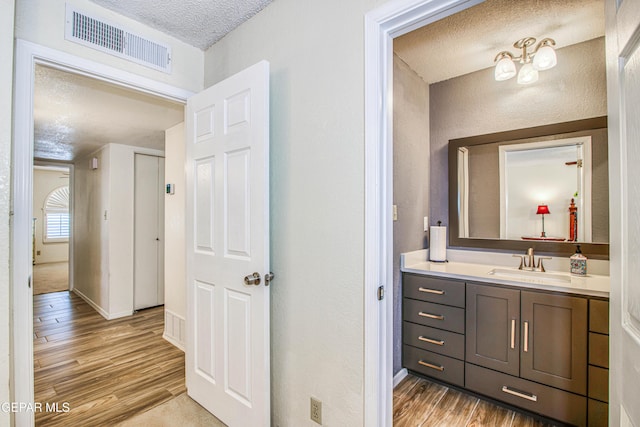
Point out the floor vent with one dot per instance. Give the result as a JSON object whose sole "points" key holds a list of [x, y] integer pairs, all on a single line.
{"points": [[113, 39]]}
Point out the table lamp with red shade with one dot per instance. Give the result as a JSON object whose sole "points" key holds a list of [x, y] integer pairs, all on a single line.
{"points": [[543, 210]]}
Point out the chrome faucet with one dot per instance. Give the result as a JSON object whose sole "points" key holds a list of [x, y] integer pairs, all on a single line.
{"points": [[528, 261]]}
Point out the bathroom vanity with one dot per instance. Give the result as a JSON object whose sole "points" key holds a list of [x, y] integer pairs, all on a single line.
{"points": [[536, 341]]}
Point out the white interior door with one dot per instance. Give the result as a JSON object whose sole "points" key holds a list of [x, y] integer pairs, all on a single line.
{"points": [[227, 160], [148, 231], [623, 74]]}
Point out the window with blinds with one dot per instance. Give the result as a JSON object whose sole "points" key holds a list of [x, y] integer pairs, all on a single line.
{"points": [[56, 216]]}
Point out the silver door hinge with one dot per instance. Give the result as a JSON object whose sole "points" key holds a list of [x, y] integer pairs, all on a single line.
{"points": [[380, 293]]}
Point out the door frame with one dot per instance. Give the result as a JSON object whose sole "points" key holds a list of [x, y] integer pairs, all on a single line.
{"points": [[382, 25], [27, 55]]}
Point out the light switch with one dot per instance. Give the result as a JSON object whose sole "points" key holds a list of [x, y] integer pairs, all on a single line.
{"points": [[395, 212], [426, 223]]}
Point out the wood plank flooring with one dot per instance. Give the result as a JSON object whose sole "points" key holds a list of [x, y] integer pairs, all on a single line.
{"points": [[106, 370], [418, 402]]}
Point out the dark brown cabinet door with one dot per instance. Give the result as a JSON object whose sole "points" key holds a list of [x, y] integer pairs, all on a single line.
{"points": [[492, 333], [554, 340]]}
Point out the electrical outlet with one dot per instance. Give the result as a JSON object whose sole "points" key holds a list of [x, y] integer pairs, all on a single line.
{"points": [[395, 212], [316, 411]]}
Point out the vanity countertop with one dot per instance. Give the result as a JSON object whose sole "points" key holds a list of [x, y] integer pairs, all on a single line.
{"points": [[556, 281]]}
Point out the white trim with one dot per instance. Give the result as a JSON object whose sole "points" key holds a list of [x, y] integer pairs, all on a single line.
{"points": [[402, 374], [392, 19], [27, 55], [99, 309], [174, 329]]}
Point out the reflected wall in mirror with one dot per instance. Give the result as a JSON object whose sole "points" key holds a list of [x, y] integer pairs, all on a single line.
{"points": [[498, 181]]}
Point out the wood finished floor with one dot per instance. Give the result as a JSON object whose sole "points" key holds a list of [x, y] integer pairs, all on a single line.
{"points": [[107, 370], [418, 402]]}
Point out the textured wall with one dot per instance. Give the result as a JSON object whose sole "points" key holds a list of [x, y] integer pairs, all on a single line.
{"points": [[475, 104], [317, 199], [174, 231], [410, 179], [90, 230], [43, 22], [44, 182], [6, 82]]}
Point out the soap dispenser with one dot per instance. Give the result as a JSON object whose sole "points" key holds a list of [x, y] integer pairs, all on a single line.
{"points": [[578, 263]]}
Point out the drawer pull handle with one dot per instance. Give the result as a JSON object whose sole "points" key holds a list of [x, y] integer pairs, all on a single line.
{"points": [[431, 341], [531, 397], [431, 291], [526, 337], [513, 333], [431, 316], [429, 365]]}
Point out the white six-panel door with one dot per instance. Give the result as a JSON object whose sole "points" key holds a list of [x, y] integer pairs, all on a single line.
{"points": [[227, 359], [623, 74]]}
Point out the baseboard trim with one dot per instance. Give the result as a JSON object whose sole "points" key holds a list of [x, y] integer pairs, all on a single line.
{"points": [[402, 373], [89, 301], [174, 329], [99, 309], [175, 343]]}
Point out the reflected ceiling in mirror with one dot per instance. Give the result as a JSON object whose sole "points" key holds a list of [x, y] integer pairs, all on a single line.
{"points": [[497, 181]]}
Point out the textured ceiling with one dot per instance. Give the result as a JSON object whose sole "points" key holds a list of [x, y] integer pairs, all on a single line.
{"points": [[199, 23], [469, 41], [76, 115]]}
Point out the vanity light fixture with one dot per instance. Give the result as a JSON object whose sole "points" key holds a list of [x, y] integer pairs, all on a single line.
{"points": [[542, 57]]}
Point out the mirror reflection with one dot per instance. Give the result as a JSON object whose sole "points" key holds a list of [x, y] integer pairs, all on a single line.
{"points": [[549, 189]]}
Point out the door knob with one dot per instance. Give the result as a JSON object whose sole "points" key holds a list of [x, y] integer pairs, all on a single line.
{"points": [[252, 279]]}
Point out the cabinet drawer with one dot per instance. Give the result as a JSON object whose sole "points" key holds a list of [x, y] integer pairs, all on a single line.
{"points": [[440, 291], [432, 339], [434, 315], [598, 414], [599, 316], [599, 383], [551, 402], [434, 365], [599, 350]]}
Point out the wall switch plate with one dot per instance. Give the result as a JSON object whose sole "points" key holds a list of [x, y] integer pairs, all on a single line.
{"points": [[426, 223], [395, 212], [316, 411]]}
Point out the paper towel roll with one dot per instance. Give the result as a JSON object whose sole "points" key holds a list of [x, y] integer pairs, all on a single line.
{"points": [[438, 243]]}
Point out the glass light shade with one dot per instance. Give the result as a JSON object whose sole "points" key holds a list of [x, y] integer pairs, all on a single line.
{"points": [[545, 58], [527, 74], [505, 69]]}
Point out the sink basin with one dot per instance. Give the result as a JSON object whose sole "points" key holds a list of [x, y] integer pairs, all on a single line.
{"points": [[531, 276]]}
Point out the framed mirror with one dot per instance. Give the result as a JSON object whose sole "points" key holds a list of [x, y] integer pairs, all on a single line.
{"points": [[544, 187]]}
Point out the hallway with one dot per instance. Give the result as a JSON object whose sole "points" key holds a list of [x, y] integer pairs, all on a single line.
{"points": [[107, 371]]}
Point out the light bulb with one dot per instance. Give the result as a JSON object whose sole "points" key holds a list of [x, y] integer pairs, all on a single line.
{"points": [[527, 74], [545, 58], [505, 69]]}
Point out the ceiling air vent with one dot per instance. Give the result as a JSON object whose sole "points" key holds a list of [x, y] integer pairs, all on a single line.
{"points": [[117, 41]]}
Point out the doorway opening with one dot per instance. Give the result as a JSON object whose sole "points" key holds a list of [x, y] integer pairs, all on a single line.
{"points": [[52, 218], [422, 177], [99, 153]]}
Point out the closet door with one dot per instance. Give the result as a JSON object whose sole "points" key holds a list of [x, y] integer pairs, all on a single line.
{"points": [[148, 232]]}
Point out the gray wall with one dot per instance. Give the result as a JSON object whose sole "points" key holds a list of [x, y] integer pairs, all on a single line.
{"points": [[410, 178], [475, 104]]}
